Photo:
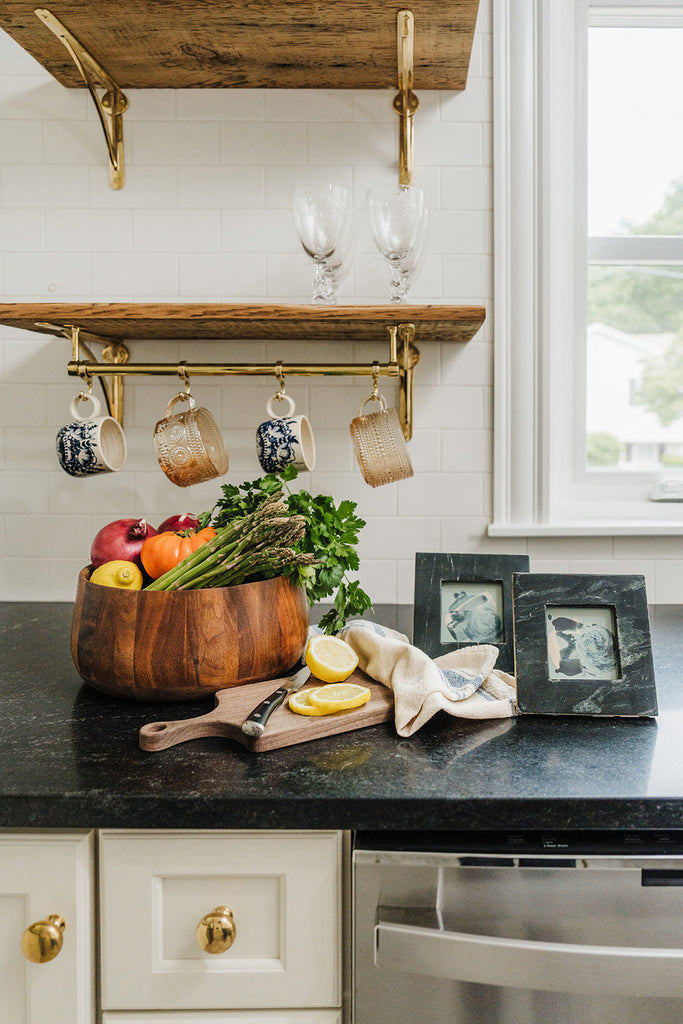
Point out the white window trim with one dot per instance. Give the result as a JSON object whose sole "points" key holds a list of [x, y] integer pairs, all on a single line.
{"points": [[534, 272]]}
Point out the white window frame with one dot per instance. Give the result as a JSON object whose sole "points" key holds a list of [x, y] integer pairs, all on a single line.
{"points": [[540, 259]]}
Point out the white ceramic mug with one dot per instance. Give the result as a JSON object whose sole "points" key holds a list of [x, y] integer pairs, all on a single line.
{"points": [[90, 444], [285, 440]]}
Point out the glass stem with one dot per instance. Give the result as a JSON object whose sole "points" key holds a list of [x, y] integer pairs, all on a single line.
{"points": [[321, 285]]}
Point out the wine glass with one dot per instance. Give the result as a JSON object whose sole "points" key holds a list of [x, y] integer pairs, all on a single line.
{"points": [[396, 220], [321, 215]]}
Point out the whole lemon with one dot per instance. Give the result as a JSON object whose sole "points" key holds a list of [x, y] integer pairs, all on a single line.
{"points": [[124, 575]]}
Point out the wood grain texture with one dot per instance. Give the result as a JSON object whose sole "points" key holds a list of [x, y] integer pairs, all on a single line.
{"points": [[155, 646], [285, 728], [246, 321], [305, 44]]}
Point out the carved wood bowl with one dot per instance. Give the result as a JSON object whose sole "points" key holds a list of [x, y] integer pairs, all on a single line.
{"points": [[187, 644]]}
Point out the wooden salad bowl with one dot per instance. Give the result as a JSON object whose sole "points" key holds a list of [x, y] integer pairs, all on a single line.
{"points": [[185, 644]]}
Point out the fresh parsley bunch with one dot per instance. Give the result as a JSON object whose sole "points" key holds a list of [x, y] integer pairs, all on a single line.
{"points": [[331, 536]]}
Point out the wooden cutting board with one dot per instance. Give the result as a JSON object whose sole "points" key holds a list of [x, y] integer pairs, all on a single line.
{"points": [[284, 727]]}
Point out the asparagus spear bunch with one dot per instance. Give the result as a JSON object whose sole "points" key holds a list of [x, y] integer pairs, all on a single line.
{"points": [[260, 544]]}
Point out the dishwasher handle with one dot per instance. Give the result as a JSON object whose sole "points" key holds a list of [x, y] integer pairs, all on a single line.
{"points": [[525, 963]]}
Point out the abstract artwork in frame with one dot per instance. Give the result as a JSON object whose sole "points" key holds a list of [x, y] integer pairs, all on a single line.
{"points": [[464, 599], [582, 645]]}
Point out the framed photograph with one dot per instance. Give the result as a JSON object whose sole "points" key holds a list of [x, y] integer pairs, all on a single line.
{"points": [[582, 645], [462, 600]]}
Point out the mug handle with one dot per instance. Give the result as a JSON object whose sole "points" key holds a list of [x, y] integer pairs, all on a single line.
{"points": [[185, 396], [279, 397], [80, 398], [373, 398]]}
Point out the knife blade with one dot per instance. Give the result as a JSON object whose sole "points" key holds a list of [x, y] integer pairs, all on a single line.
{"points": [[255, 723]]}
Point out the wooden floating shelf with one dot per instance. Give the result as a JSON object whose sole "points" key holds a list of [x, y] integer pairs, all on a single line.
{"points": [[113, 324], [246, 321], [277, 44]]}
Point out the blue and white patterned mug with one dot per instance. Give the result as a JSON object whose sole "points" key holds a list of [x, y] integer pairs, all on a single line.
{"points": [[285, 440], [90, 444]]}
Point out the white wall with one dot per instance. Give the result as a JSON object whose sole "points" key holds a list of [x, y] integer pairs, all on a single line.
{"points": [[204, 215]]}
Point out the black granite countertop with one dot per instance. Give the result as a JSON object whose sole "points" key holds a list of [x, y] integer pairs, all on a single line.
{"points": [[69, 758]]}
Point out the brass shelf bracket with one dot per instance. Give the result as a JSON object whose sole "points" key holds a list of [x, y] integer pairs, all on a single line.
{"points": [[114, 353], [403, 357], [113, 104], [408, 358], [405, 102]]}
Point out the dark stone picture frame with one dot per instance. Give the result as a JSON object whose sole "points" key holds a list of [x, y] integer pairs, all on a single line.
{"points": [[616, 682], [433, 570]]}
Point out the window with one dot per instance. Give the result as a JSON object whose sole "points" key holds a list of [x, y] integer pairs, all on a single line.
{"points": [[588, 164]]}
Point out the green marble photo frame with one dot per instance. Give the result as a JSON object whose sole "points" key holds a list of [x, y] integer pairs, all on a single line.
{"points": [[464, 599], [582, 645]]}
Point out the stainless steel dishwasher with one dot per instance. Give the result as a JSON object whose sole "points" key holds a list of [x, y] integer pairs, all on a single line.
{"points": [[518, 929]]}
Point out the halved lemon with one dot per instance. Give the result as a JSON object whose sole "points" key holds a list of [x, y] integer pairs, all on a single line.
{"points": [[300, 703], [330, 659], [339, 697]]}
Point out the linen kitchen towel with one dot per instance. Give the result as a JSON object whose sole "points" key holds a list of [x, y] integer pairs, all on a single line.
{"points": [[463, 683]]}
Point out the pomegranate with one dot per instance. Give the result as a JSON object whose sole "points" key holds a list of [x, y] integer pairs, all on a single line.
{"points": [[176, 524], [120, 540]]}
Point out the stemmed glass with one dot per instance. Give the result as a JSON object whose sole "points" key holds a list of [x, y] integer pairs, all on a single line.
{"points": [[396, 220], [321, 215]]}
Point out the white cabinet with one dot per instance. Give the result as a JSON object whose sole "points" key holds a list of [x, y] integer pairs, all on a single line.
{"points": [[285, 894], [44, 875], [284, 890]]}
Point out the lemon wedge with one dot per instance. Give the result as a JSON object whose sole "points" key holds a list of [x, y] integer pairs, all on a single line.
{"points": [[330, 659], [300, 703], [339, 697]]}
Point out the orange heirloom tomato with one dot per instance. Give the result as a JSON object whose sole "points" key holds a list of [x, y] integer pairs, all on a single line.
{"points": [[163, 551]]}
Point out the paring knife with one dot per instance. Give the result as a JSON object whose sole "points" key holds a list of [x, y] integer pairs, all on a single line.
{"points": [[256, 721]]}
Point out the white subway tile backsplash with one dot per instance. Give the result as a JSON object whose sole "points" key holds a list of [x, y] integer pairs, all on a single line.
{"points": [[21, 142], [36, 186], [135, 274], [370, 143], [441, 494], [223, 277], [220, 104], [80, 230], [258, 231], [21, 230], [265, 142], [221, 188], [176, 230], [180, 142], [307, 105], [45, 277], [145, 188]]}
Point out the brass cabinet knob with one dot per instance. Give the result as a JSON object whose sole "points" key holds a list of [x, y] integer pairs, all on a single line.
{"points": [[42, 940], [216, 931]]}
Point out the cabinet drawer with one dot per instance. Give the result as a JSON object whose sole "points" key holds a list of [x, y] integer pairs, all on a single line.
{"points": [[284, 889]]}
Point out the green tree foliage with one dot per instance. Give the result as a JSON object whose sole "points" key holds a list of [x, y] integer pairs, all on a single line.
{"points": [[644, 299], [602, 449], [648, 300]]}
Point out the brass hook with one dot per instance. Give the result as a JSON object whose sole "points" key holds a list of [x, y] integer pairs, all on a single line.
{"points": [[183, 374], [280, 374], [375, 380]]}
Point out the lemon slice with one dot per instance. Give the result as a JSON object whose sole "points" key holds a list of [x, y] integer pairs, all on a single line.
{"points": [[300, 703], [339, 697], [330, 659]]}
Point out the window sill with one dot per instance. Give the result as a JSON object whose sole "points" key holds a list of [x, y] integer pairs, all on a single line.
{"points": [[590, 528]]}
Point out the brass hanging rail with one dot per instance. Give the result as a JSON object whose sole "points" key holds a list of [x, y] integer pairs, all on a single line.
{"points": [[401, 362]]}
